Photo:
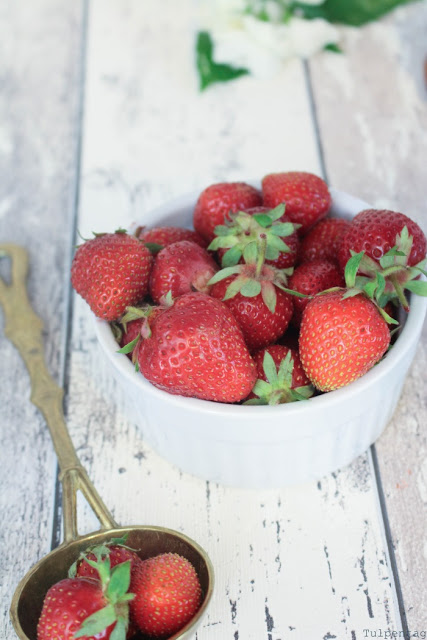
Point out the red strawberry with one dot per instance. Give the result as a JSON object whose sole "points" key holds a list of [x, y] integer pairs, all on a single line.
{"points": [[116, 553], [311, 278], [163, 236], [341, 338], [218, 200], [134, 326], [374, 231], [305, 195], [83, 608], [281, 377], [255, 293], [260, 325], [167, 594], [243, 227], [322, 241], [392, 249], [179, 268], [111, 272], [197, 349]]}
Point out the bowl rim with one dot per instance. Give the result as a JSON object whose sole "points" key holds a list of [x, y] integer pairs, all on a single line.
{"points": [[406, 340]]}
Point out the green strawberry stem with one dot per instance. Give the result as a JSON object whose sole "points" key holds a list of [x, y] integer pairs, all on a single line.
{"points": [[400, 293], [262, 247]]}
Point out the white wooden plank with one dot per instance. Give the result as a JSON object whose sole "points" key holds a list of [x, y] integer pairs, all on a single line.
{"points": [[40, 66], [302, 562], [378, 113]]}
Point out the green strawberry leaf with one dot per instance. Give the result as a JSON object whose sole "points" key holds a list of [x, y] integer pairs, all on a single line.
{"points": [[153, 247], [224, 273], [277, 212], [119, 581], [419, 287], [129, 347], [387, 317], [234, 287], [263, 219], [231, 257], [250, 253], [269, 367], [209, 70], [269, 296], [351, 268], [97, 622], [120, 629], [223, 230], [282, 229], [250, 288]]}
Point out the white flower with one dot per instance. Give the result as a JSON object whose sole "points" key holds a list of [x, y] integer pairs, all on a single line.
{"points": [[243, 40]]}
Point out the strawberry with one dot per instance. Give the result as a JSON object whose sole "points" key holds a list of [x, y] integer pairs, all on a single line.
{"points": [[392, 250], [162, 236], [281, 377], [310, 278], [322, 241], [111, 272], [179, 268], [197, 349], [305, 195], [115, 551], [167, 594], [260, 324], [257, 296], [86, 608], [341, 338], [244, 227], [218, 200]]}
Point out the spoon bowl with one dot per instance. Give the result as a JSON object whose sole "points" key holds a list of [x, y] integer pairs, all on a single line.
{"points": [[28, 598], [24, 328]]}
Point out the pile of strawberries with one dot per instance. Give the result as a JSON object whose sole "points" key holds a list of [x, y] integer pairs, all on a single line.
{"points": [[266, 300], [111, 593]]}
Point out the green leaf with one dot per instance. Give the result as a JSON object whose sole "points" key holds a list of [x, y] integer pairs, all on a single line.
{"points": [[129, 347], [119, 581], [250, 288], [269, 296], [97, 622], [269, 367], [282, 229], [223, 230], [277, 243], [153, 247], [224, 273], [210, 71], [419, 287], [263, 219], [250, 253], [261, 388], [277, 212], [349, 12], [333, 47], [351, 269], [231, 257], [234, 287], [119, 631]]}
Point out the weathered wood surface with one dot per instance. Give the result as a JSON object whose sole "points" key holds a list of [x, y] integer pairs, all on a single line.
{"points": [[40, 62], [307, 562], [378, 113]]}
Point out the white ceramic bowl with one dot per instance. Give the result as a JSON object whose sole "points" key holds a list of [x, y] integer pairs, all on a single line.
{"points": [[267, 446]]}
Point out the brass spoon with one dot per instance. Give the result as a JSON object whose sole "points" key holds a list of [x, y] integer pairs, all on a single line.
{"points": [[23, 327]]}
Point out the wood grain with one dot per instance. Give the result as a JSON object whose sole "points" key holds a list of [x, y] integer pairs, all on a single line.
{"points": [[39, 133], [378, 113]]}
